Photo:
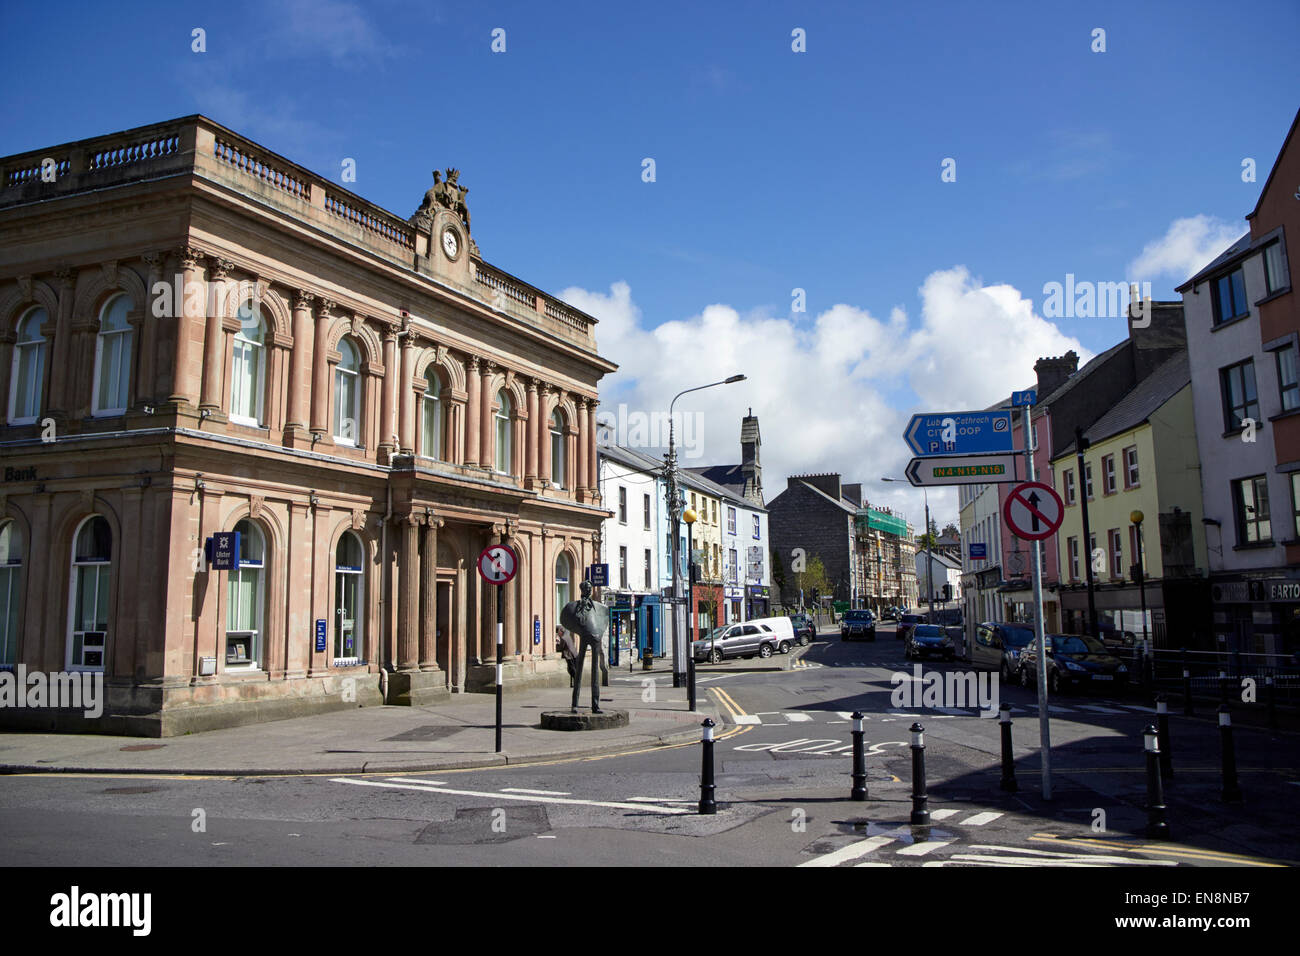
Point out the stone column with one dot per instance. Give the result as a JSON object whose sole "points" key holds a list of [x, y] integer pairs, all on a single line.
{"points": [[406, 396], [544, 465], [190, 312], [408, 595], [60, 394], [579, 481], [472, 408], [320, 371], [387, 430], [487, 444], [593, 462], [535, 432], [215, 339], [429, 589], [146, 386], [300, 362]]}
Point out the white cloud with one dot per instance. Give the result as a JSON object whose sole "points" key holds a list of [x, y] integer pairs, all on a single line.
{"points": [[1187, 247], [831, 394]]}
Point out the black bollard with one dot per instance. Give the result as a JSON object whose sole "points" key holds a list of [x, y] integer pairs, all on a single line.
{"points": [[1271, 705], [707, 804], [859, 791], [1231, 790], [1223, 688], [1008, 759], [1187, 686], [920, 812], [1166, 751], [1157, 828]]}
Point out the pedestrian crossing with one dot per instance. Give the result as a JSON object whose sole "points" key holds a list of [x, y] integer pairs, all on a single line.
{"points": [[777, 718], [905, 846]]}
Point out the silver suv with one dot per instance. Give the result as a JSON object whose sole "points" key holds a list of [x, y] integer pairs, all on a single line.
{"points": [[744, 639]]}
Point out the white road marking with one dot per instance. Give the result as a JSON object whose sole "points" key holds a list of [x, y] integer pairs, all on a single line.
{"points": [[406, 784], [1074, 856], [872, 863], [979, 819], [546, 836], [659, 800], [943, 814], [921, 849], [972, 860], [844, 714], [747, 719], [1099, 709], [797, 718], [540, 793], [850, 852]]}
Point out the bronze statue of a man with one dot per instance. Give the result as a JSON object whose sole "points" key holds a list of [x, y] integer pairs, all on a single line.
{"points": [[588, 621]]}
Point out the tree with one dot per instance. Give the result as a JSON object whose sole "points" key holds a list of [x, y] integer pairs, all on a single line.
{"points": [[813, 578], [950, 530], [931, 537], [706, 600]]}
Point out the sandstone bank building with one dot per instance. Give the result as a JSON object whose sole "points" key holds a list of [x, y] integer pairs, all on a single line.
{"points": [[199, 336]]}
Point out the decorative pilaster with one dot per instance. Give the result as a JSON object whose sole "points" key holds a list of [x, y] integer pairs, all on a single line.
{"points": [[580, 485], [593, 462], [320, 371], [60, 399], [189, 316], [544, 464], [429, 591], [536, 433], [408, 594], [487, 446], [147, 387], [473, 406], [300, 363], [405, 395], [215, 339], [388, 441]]}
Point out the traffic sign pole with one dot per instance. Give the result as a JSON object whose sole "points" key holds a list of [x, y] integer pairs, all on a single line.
{"points": [[501, 619], [1044, 729], [497, 565]]}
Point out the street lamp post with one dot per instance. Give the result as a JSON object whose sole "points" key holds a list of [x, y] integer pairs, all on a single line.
{"points": [[929, 557], [1136, 517], [672, 481], [689, 517]]}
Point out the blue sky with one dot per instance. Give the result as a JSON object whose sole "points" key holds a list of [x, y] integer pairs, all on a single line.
{"points": [[775, 170]]}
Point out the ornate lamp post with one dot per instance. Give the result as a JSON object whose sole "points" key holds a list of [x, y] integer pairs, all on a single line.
{"points": [[689, 517], [671, 479], [1136, 517]]}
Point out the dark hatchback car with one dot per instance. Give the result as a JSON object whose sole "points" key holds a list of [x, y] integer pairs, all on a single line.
{"points": [[1073, 661], [907, 621], [998, 646], [928, 640], [855, 625], [804, 628]]}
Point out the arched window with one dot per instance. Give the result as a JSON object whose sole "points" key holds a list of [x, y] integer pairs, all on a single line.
{"points": [[562, 571], [431, 416], [28, 370], [557, 449], [11, 568], [245, 600], [347, 395], [248, 367], [349, 599], [503, 432], [113, 357], [92, 555]]}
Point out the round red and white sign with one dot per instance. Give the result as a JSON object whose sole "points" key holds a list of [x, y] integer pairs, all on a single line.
{"points": [[497, 564], [1033, 511]]}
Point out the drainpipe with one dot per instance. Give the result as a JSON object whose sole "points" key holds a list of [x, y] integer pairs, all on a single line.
{"points": [[383, 595]]}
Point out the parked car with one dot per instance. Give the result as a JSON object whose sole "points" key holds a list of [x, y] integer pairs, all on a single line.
{"points": [[1073, 661], [762, 636], [804, 628], [906, 621], [998, 645], [858, 624], [890, 614], [927, 640]]}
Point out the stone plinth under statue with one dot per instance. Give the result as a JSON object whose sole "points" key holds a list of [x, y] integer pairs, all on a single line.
{"points": [[569, 720]]}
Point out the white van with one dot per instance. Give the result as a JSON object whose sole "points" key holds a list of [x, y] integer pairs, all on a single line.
{"points": [[763, 636]]}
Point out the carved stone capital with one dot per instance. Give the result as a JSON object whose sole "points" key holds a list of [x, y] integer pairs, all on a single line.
{"points": [[109, 271], [472, 364], [220, 269], [325, 308], [190, 257], [302, 299], [156, 261], [25, 287], [65, 275]]}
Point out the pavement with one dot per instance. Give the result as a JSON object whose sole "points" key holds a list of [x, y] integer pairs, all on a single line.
{"points": [[458, 734]]}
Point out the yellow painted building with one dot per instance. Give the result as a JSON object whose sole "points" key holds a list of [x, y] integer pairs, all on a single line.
{"points": [[1139, 456]]}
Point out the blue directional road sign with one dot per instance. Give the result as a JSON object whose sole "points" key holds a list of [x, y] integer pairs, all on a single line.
{"points": [[959, 433], [1028, 397]]}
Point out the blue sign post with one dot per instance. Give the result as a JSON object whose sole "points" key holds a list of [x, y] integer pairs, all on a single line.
{"points": [[959, 433], [320, 634], [978, 551], [1027, 398], [598, 575]]}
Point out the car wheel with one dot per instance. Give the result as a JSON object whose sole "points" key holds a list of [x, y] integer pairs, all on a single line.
{"points": [[716, 657], [785, 647], [765, 651]]}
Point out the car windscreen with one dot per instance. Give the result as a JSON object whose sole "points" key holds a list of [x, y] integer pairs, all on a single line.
{"points": [[928, 630], [1016, 636], [1073, 644], [861, 617]]}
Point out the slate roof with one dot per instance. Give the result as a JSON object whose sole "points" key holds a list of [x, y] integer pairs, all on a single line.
{"points": [[1140, 403], [1238, 250]]}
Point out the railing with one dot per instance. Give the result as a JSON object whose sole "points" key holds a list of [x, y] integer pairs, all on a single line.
{"points": [[164, 144], [392, 229], [36, 171], [252, 164], [508, 287], [561, 312]]}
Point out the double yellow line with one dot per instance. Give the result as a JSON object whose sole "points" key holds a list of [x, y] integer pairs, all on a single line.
{"points": [[734, 710], [1162, 849]]}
